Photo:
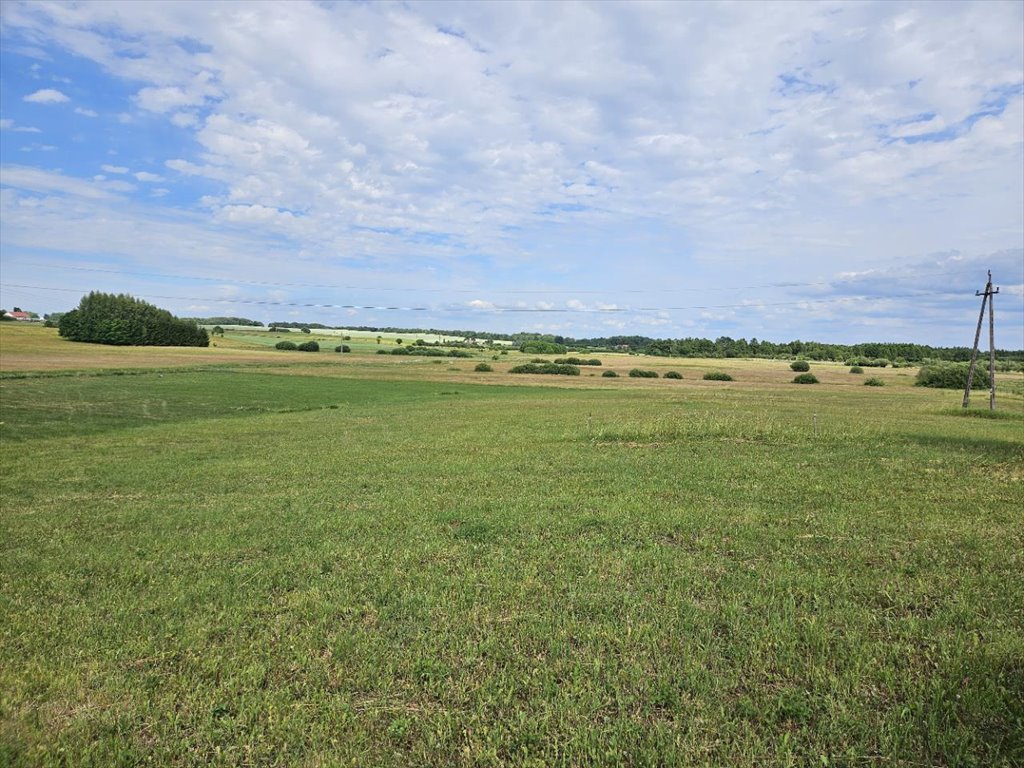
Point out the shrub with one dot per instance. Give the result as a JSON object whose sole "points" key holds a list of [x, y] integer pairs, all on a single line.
{"points": [[537, 360], [383, 352], [305, 330], [105, 318], [577, 361], [805, 378], [430, 352], [873, 382], [637, 373], [674, 375], [483, 368], [856, 369], [800, 365], [289, 345], [552, 368], [717, 376], [504, 351], [609, 374], [950, 376], [309, 346], [542, 348]]}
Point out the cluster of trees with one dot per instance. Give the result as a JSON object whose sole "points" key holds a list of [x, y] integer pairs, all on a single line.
{"points": [[305, 326], [225, 321], [106, 318]]}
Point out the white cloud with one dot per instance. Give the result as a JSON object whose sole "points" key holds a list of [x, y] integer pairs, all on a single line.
{"points": [[7, 124], [615, 162], [147, 176], [86, 112], [114, 168], [46, 96], [36, 180]]}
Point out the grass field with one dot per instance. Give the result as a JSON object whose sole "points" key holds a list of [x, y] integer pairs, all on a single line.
{"points": [[248, 557]]}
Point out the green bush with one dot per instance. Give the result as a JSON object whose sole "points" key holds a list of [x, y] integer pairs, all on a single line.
{"points": [[289, 345], [383, 352], [673, 375], [609, 374], [950, 376], [800, 365], [343, 348], [717, 376], [637, 373], [805, 378], [551, 368], [430, 352], [577, 361], [309, 346], [856, 369], [105, 318], [483, 368], [542, 348], [873, 382]]}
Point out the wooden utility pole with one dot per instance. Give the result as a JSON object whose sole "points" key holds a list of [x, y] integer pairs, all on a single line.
{"points": [[987, 295]]}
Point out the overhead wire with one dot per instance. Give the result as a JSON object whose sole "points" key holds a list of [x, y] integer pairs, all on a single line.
{"points": [[507, 309], [504, 291]]}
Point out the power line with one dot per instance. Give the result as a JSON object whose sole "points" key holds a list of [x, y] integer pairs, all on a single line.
{"points": [[508, 291], [502, 310]]}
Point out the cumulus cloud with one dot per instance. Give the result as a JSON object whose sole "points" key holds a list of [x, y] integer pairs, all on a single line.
{"points": [[848, 140], [46, 96]]}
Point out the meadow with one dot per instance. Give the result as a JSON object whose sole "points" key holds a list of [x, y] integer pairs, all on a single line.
{"points": [[241, 556]]}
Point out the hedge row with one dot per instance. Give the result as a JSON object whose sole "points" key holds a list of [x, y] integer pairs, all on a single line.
{"points": [[551, 368]]}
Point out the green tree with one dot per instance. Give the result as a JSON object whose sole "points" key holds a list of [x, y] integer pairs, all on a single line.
{"points": [[105, 318]]}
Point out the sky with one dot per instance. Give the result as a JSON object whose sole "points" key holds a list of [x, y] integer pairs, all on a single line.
{"points": [[841, 172]]}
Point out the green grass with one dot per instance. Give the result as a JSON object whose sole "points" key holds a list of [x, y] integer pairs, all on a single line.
{"points": [[223, 568]]}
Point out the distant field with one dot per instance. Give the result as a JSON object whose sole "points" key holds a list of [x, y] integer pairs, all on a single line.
{"points": [[252, 557]]}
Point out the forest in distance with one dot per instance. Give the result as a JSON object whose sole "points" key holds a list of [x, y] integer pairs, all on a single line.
{"points": [[723, 346]]}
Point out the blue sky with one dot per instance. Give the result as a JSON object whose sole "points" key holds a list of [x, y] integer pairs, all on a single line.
{"points": [[834, 171]]}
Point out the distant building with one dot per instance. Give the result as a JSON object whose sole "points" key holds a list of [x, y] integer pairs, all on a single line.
{"points": [[24, 316]]}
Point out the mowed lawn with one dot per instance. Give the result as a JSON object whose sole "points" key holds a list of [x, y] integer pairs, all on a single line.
{"points": [[335, 567]]}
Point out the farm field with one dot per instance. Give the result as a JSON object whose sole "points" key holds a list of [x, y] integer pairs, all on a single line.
{"points": [[240, 556]]}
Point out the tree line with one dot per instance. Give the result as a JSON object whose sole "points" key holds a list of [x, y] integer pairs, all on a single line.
{"points": [[106, 318]]}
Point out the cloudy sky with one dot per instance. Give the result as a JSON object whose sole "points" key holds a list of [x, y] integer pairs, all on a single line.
{"points": [[833, 171]]}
